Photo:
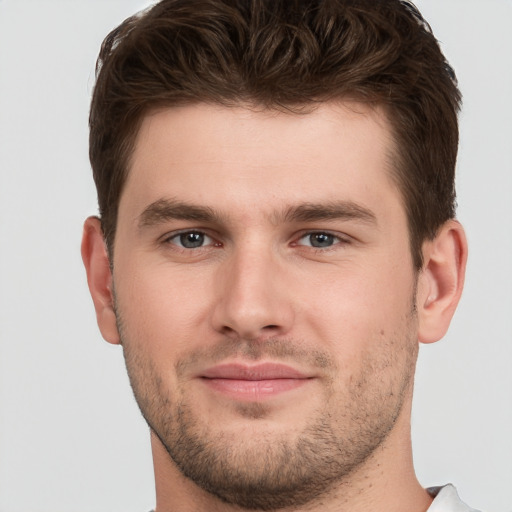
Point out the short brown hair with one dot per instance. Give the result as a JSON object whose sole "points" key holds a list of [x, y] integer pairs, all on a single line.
{"points": [[284, 54]]}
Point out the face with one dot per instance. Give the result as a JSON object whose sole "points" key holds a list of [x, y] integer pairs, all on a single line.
{"points": [[264, 294]]}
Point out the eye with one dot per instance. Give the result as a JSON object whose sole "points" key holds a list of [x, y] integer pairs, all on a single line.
{"points": [[319, 240], [191, 240]]}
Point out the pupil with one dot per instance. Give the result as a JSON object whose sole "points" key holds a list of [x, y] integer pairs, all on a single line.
{"points": [[192, 240], [321, 240]]}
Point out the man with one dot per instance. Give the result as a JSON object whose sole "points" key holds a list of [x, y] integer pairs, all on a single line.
{"points": [[277, 234]]}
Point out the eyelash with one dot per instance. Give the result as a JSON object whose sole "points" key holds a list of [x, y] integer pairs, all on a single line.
{"points": [[337, 240], [169, 239]]}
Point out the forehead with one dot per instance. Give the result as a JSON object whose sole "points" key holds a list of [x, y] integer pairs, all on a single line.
{"points": [[227, 157]]}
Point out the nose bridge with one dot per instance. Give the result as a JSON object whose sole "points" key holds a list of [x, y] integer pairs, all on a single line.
{"points": [[253, 302]]}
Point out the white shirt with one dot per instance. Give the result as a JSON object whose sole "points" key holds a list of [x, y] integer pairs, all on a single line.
{"points": [[446, 499]]}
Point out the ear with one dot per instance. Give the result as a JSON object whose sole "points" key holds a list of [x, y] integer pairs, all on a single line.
{"points": [[441, 281], [99, 278]]}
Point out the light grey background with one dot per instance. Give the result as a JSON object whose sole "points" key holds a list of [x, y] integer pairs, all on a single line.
{"points": [[71, 438]]}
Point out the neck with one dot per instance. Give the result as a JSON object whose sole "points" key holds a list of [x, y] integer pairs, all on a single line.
{"points": [[386, 481]]}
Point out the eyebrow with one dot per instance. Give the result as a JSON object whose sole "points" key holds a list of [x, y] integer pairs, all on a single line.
{"points": [[334, 210], [164, 210]]}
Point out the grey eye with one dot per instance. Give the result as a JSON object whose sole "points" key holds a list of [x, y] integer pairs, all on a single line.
{"points": [[321, 239], [191, 240]]}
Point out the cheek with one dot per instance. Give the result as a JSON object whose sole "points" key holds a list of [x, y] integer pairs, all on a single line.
{"points": [[358, 307], [162, 309]]}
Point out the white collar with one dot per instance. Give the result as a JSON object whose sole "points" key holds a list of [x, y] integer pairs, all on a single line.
{"points": [[446, 499]]}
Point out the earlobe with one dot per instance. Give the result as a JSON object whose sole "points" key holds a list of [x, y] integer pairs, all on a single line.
{"points": [[99, 278], [441, 281]]}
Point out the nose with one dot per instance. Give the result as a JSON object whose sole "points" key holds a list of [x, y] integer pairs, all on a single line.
{"points": [[254, 302]]}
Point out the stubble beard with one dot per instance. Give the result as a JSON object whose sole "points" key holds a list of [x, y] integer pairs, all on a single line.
{"points": [[269, 471]]}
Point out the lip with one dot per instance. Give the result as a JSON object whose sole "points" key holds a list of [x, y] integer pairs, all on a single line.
{"points": [[253, 382], [261, 371]]}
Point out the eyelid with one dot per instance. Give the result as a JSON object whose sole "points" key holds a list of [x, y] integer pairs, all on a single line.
{"points": [[168, 237], [340, 238]]}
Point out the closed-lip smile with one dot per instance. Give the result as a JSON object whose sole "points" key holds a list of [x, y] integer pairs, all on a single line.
{"points": [[253, 382]]}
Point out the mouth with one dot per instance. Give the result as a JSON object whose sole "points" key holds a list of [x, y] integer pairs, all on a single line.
{"points": [[253, 382]]}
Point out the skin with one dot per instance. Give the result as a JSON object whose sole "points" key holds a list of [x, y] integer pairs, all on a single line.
{"points": [[256, 191]]}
